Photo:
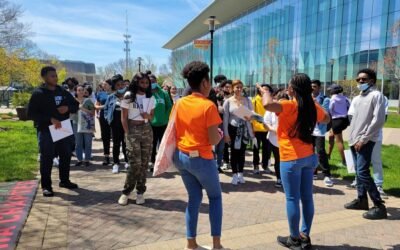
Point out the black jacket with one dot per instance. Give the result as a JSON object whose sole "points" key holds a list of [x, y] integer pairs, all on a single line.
{"points": [[44, 103]]}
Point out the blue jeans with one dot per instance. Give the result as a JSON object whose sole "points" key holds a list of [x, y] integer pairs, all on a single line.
{"points": [[198, 173], [219, 151], [365, 183], [297, 180], [376, 160], [84, 140]]}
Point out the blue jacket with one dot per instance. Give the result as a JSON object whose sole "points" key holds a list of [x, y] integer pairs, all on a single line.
{"points": [[109, 107], [324, 102]]}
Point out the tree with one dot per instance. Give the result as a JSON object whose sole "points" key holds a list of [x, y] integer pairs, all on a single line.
{"points": [[269, 58], [119, 67], [12, 32]]}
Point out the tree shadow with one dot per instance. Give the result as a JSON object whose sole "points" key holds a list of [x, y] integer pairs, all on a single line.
{"points": [[86, 197], [172, 205], [393, 191], [393, 213]]}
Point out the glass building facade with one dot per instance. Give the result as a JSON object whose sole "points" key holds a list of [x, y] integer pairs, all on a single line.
{"points": [[329, 40]]}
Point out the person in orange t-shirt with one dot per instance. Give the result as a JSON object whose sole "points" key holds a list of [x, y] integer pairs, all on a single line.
{"points": [[196, 125], [297, 119]]}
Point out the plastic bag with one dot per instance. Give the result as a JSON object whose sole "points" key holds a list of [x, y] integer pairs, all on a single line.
{"points": [[166, 150]]}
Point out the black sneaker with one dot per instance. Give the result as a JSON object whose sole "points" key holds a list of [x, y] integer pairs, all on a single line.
{"points": [[220, 170], [357, 204], [78, 164], [289, 242], [376, 213], [305, 241], [48, 193], [106, 161], [69, 185]]}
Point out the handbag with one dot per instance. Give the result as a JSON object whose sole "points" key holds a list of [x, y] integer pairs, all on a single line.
{"points": [[164, 159]]}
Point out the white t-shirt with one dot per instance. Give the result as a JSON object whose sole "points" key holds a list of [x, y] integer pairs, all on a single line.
{"points": [[271, 119], [141, 105]]}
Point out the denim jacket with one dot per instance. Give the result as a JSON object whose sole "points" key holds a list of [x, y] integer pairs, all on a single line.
{"points": [[109, 107], [324, 102]]}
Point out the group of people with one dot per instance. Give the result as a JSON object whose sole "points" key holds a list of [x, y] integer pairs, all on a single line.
{"points": [[212, 137]]}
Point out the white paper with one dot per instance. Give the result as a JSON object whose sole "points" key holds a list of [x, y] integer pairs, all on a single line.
{"points": [[243, 112], [63, 132], [349, 161]]}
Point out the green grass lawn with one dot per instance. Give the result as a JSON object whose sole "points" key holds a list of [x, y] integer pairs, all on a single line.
{"points": [[393, 121], [391, 169], [18, 151]]}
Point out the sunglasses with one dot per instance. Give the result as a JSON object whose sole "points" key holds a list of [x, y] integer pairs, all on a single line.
{"points": [[362, 79]]}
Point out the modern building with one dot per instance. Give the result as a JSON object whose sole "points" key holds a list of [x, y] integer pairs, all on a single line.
{"points": [[83, 72], [270, 40]]}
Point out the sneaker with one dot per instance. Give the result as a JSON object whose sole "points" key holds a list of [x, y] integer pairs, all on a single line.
{"points": [[126, 165], [106, 161], [353, 185], [278, 184], [68, 185], [256, 171], [87, 163], [115, 169], [78, 164], [220, 170], [235, 179], [48, 193], [123, 200], [358, 204], [225, 166], [315, 177], [241, 178], [151, 167], [140, 199], [376, 213], [382, 193], [289, 242], [305, 241], [56, 162], [328, 181]]}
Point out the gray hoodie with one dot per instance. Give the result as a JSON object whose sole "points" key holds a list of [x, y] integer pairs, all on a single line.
{"points": [[368, 117]]}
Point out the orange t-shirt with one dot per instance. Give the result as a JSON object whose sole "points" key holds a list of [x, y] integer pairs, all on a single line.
{"points": [[195, 114], [292, 148]]}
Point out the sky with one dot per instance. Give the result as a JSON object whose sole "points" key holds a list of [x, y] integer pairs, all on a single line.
{"points": [[92, 30]]}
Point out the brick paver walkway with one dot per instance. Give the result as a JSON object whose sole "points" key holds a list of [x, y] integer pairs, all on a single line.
{"points": [[254, 214]]}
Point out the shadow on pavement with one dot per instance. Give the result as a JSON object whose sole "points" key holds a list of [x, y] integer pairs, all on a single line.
{"points": [[173, 205], [393, 213], [342, 247], [85, 197]]}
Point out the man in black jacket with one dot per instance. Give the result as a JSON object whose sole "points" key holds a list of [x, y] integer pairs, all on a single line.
{"points": [[49, 105]]}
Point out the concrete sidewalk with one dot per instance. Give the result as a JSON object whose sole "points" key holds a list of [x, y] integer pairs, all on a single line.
{"points": [[254, 214]]}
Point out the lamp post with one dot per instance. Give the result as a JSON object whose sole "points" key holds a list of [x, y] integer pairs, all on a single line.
{"points": [[331, 62], [139, 59], [211, 22]]}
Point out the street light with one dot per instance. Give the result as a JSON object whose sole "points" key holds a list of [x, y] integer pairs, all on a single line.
{"points": [[139, 59], [211, 22], [331, 62]]}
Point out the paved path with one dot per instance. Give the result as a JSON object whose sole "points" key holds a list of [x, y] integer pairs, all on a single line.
{"points": [[254, 214]]}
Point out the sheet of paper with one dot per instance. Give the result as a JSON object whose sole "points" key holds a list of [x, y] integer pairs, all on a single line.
{"points": [[63, 132], [349, 161], [242, 112]]}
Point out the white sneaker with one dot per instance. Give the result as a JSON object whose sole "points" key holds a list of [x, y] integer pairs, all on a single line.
{"points": [[126, 165], [256, 171], [225, 166], [140, 199], [382, 193], [123, 200], [115, 169], [240, 178], [235, 179], [55, 162], [328, 181]]}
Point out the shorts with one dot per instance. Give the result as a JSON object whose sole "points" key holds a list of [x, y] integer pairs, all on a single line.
{"points": [[339, 124]]}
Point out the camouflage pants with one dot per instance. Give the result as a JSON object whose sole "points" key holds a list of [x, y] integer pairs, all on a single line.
{"points": [[138, 148]]}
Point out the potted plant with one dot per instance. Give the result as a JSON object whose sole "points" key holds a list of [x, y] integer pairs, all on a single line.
{"points": [[20, 102]]}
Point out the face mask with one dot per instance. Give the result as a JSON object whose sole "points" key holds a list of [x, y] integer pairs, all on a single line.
{"points": [[154, 85], [121, 91], [363, 86]]}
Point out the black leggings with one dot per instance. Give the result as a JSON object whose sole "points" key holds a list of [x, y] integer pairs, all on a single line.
{"points": [[118, 139], [105, 133], [274, 150], [158, 133], [237, 155], [261, 139]]}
